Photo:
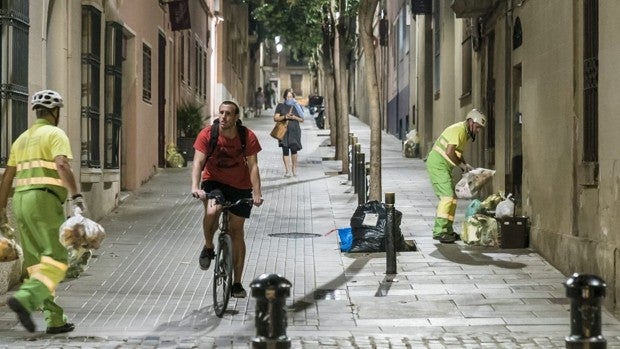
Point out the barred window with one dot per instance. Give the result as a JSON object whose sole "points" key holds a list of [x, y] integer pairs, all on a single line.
{"points": [[146, 73], [113, 89], [90, 101], [14, 24]]}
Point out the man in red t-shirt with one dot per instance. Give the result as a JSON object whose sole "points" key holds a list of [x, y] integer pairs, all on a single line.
{"points": [[233, 170]]}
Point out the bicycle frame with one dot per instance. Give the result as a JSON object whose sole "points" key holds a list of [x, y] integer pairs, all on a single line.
{"points": [[223, 268]]}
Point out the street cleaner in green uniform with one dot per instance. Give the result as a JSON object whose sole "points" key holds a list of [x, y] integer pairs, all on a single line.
{"points": [[39, 164], [447, 152]]}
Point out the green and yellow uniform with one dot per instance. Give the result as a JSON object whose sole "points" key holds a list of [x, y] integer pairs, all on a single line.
{"points": [[38, 207], [439, 168]]}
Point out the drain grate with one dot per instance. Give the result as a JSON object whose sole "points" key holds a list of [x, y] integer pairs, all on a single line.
{"points": [[294, 235]]}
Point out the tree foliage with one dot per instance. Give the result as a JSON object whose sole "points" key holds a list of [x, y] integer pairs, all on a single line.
{"points": [[301, 24], [297, 23]]}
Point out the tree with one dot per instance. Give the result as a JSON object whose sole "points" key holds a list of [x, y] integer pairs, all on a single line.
{"points": [[366, 18], [308, 27]]}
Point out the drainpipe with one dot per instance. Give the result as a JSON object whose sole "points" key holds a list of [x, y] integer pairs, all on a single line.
{"points": [[508, 89]]}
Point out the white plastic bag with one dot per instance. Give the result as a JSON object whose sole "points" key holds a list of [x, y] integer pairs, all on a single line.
{"points": [[506, 208], [469, 186], [80, 232]]}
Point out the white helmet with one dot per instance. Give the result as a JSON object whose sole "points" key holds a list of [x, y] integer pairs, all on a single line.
{"points": [[47, 98], [477, 117]]}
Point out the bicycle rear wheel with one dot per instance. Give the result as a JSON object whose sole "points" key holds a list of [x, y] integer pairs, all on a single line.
{"points": [[222, 278]]}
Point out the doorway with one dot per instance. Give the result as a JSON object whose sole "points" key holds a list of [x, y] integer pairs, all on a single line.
{"points": [[516, 148]]}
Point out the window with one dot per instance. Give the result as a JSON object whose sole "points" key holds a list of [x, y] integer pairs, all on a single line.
{"points": [[146, 73], [466, 47], [182, 58], [590, 81], [204, 75], [14, 25], [436, 47], [90, 104], [197, 58], [113, 89]]}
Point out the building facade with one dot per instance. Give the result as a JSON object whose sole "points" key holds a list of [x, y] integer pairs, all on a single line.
{"points": [[543, 72], [123, 68]]}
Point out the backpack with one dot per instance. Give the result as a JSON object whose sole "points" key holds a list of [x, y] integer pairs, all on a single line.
{"points": [[242, 131]]}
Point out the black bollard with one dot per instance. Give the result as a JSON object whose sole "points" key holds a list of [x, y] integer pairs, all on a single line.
{"points": [[361, 177], [356, 152], [351, 136], [270, 291], [585, 292], [390, 231]]}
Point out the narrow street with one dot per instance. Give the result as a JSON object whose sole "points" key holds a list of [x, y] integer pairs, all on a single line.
{"points": [[143, 288]]}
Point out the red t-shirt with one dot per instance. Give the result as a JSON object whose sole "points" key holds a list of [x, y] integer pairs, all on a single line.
{"points": [[227, 163]]}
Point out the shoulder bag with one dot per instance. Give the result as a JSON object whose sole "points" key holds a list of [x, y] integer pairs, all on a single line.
{"points": [[279, 129]]}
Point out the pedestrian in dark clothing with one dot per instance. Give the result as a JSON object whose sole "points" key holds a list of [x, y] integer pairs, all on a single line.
{"points": [[291, 143]]}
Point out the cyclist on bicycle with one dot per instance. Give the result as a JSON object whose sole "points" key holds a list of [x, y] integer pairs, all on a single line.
{"points": [[232, 168]]}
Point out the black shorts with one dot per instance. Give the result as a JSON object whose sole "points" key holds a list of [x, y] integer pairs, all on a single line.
{"points": [[231, 194]]}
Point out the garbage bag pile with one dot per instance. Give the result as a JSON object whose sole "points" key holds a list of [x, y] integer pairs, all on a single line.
{"points": [[368, 225], [411, 147], [481, 227], [173, 157]]}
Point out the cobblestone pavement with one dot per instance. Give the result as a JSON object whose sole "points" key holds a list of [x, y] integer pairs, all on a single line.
{"points": [[143, 287]]}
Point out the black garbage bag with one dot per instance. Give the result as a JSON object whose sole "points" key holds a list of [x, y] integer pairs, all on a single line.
{"points": [[368, 227]]}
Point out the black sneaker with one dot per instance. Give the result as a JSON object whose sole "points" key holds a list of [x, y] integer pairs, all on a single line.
{"points": [[206, 255], [68, 327], [22, 314], [447, 238], [237, 291], [457, 237]]}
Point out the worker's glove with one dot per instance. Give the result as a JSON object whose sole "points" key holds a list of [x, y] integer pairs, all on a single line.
{"points": [[78, 205], [466, 167]]}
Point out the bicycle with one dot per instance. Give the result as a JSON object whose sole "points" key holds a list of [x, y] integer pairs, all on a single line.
{"points": [[223, 263]]}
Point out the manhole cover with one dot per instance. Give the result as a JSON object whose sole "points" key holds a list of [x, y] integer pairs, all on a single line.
{"points": [[294, 235]]}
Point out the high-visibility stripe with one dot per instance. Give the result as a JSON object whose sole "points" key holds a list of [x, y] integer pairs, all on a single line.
{"points": [[51, 285], [443, 153], [33, 269], [26, 165], [38, 180], [55, 263], [446, 207]]}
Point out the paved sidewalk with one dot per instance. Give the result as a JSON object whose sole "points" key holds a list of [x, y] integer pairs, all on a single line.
{"points": [[144, 289]]}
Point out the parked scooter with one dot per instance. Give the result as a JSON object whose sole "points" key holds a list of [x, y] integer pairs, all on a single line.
{"points": [[315, 106]]}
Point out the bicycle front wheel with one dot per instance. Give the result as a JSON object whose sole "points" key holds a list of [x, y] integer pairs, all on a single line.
{"points": [[222, 278]]}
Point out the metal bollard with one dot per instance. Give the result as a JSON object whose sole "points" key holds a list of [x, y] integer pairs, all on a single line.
{"points": [[586, 292], [390, 240], [351, 136], [356, 151], [270, 291], [361, 176]]}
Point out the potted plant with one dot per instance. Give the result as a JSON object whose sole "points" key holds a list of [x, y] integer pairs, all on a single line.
{"points": [[189, 122]]}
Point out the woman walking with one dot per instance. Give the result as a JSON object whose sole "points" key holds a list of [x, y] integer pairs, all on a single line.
{"points": [[291, 143]]}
